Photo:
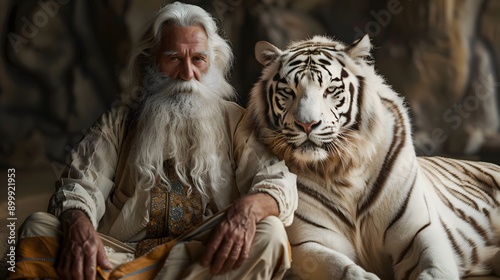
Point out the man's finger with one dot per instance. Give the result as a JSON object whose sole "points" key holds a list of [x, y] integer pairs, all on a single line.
{"points": [[245, 252], [76, 270], [221, 256], [233, 257], [211, 249], [89, 268], [102, 259]]}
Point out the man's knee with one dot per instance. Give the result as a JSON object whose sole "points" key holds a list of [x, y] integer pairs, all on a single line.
{"points": [[40, 224], [271, 234]]}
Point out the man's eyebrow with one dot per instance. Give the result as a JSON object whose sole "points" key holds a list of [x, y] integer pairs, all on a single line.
{"points": [[167, 53]]}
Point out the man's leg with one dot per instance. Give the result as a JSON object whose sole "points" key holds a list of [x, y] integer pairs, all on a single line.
{"points": [[44, 224], [269, 256]]}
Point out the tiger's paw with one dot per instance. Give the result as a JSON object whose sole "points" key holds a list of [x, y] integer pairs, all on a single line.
{"points": [[356, 272]]}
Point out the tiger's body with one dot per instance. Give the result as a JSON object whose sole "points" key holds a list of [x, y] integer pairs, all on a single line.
{"points": [[369, 208]]}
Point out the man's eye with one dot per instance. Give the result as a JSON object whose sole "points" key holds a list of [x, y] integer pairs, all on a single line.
{"points": [[199, 58], [173, 58]]}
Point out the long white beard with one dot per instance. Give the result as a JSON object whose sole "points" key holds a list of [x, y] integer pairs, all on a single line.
{"points": [[182, 121]]}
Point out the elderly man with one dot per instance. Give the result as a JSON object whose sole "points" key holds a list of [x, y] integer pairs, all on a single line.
{"points": [[170, 155]]}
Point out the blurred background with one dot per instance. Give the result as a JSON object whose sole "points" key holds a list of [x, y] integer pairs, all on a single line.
{"points": [[61, 61]]}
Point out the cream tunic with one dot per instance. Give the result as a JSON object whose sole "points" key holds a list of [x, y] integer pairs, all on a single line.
{"points": [[98, 178]]}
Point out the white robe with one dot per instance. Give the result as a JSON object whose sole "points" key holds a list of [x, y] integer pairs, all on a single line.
{"points": [[98, 179]]}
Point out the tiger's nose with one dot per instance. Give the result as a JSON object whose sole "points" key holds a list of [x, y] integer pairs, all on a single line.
{"points": [[307, 127]]}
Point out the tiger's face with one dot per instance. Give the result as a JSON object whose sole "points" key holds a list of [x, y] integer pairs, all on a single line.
{"points": [[311, 95]]}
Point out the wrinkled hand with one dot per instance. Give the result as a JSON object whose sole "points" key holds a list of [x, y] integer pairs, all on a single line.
{"points": [[230, 242], [82, 249]]}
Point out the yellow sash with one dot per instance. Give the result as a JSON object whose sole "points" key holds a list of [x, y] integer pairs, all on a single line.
{"points": [[36, 257]]}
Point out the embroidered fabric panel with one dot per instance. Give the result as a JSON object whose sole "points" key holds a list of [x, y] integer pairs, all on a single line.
{"points": [[171, 213]]}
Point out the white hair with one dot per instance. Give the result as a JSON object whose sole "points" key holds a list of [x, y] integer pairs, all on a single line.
{"points": [[143, 59], [183, 122], [175, 120]]}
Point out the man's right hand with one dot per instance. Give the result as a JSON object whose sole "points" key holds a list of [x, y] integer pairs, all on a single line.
{"points": [[82, 249]]}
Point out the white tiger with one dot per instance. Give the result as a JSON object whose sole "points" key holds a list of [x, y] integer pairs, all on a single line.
{"points": [[368, 207]]}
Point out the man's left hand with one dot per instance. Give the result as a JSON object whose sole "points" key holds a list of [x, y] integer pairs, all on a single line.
{"points": [[229, 245]]}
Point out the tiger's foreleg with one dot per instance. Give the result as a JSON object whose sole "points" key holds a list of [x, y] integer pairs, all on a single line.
{"points": [[429, 256], [316, 262]]}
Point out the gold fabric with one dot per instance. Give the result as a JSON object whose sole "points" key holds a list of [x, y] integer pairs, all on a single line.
{"points": [[37, 259], [41, 234], [171, 213]]}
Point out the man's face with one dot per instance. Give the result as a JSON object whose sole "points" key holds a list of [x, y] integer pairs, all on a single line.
{"points": [[183, 52]]}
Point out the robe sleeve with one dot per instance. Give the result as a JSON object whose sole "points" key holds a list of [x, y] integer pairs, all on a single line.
{"points": [[258, 170], [89, 177]]}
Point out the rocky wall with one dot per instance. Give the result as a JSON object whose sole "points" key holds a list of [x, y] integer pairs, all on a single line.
{"points": [[61, 60]]}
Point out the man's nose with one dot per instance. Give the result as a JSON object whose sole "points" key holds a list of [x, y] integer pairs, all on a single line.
{"points": [[187, 71]]}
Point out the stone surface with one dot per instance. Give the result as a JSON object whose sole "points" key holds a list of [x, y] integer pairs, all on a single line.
{"points": [[60, 64]]}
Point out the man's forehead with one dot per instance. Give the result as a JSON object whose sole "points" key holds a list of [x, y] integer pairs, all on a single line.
{"points": [[185, 34], [172, 53], [181, 39]]}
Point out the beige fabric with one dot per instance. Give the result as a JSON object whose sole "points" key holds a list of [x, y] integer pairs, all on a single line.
{"points": [[99, 179], [269, 256], [45, 224]]}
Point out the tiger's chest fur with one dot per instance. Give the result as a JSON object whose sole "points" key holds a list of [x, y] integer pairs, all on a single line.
{"points": [[360, 201], [368, 207]]}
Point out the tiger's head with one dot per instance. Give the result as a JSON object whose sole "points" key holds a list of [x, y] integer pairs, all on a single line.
{"points": [[310, 105]]}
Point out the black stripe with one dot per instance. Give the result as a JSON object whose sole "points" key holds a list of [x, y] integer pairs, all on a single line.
{"points": [[474, 254], [460, 212], [344, 73], [347, 114], [403, 207], [309, 44], [465, 199], [412, 269], [479, 229], [474, 177], [268, 103], [361, 93], [295, 55], [341, 102], [324, 61], [479, 170], [476, 186], [397, 144], [304, 242], [456, 180], [296, 62], [454, 244], [440, 194], [326, 202], [274, 116], [449, 174], [326, 69], [329, 54], [406, 250], [306, 220]]}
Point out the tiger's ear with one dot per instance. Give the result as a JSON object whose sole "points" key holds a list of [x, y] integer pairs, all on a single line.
{"points": [[266, 52], [360, 48]]}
